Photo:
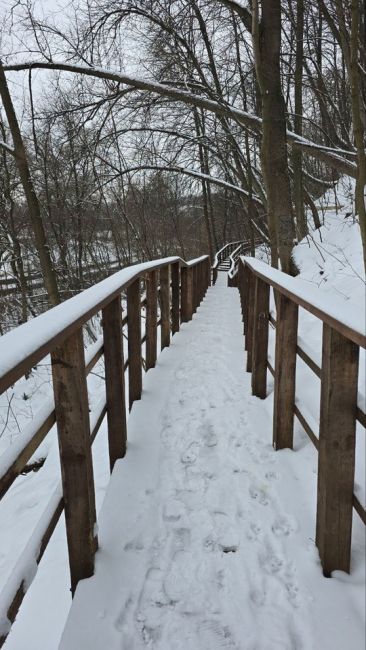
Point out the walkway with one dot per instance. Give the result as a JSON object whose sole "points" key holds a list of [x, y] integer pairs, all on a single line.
{"points": [[206, 534]]}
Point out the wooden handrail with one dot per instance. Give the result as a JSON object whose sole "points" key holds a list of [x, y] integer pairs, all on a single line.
{"points": [[59, 332], [343, 335], [34, 340], [227, 249], [317, 303]]}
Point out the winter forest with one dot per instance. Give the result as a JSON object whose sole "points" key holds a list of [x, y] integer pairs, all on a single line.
{"points": [[140, 130]]}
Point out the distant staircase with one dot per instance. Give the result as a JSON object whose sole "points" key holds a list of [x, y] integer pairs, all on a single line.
{"points": [[227, 258], [224, 265]]}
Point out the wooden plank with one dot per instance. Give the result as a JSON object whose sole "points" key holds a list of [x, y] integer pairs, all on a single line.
{"points": [[359, 338], [72, 415], [203, 279], [250, 323], [175, 297], [309, 361], [16, 468], [285, 372], [35, 355], [186, 294], [134, 343], [361, 416], [260, 339], [306, 426], [114, 380], [208, 282], [336, 461], [241, 290], [11, 474], [49, 527], [194, 289], [95, 358], [151, 318], [199, 284], [359, 509], [245, 289], [165, 307]]}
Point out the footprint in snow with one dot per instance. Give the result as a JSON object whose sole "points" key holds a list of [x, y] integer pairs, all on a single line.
{"points": [[224, 535], [283, 526], [272, 563], [258, 596], [173, 510], [180, 581], [213, 635], [181, 538], [272, 476], [254, 532], [152, 599], [134, 545], [189, 456], [259, 493], [209, 436]]}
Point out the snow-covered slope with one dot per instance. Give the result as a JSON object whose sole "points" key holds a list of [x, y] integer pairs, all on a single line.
{"points": [[331, 257]]}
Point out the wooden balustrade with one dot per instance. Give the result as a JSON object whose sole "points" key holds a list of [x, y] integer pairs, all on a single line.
{"points": [[339, 410], [181, 289], [232, 251]]}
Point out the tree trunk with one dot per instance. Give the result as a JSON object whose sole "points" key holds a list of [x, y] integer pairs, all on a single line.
{"points": [[267, 43], [358, 125], [48, 272], [301, 222]]}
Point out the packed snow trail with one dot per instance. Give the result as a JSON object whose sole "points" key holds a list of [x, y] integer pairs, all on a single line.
{"points": [[206, 534]]}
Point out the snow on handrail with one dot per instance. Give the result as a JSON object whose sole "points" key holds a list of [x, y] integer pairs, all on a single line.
{"points": [[330, 310], [233, 260], [31, 341]]}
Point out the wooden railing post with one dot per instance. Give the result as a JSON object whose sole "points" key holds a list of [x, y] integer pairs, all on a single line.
{"points": [[197, 283], [285, 372], [194, 288], [241, 289], [114, 380], [175, 297], [72, 414], [245, 288], [260, 338], [151, 318], [134, 342], [165, 306], [186, 294], [336, 460], [208, 283], [250, 323], [200, 282]]}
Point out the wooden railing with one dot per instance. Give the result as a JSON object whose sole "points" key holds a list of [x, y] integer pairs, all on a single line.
{"points": [[59, 332], [222, 255], [343, 335], [243, 248]]}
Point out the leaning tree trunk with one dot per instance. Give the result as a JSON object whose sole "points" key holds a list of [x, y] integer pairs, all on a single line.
{"points": [[20, 156], [358, 123], [301, 221], [266, 35]]}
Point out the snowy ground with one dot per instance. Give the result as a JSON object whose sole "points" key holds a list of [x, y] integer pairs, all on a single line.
{"points": [[206, 534]]}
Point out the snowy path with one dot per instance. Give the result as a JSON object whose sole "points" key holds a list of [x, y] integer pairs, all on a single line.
{"points": [[206, 534]]}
